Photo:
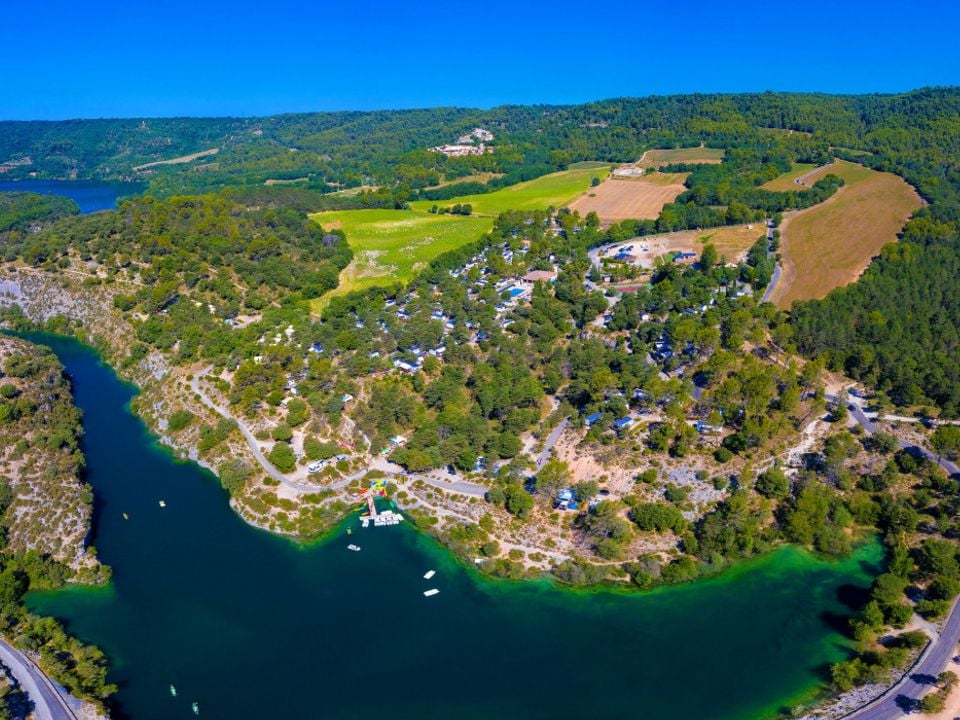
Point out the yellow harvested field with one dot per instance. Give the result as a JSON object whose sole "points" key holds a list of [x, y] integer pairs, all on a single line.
{"points": [[638, 199], [733, 242], [831, 244]]}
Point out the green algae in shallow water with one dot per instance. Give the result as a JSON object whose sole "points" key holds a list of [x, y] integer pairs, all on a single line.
{"points": [[251, 625]]}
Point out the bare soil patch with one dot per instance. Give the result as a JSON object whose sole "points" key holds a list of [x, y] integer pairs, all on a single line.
{"points": [[178, 160], [732, 243]]}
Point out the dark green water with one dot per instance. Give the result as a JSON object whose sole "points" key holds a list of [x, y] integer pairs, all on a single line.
{"points": [[252, 626]]}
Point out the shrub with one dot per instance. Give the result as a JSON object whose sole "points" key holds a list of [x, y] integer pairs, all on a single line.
{"points": [[316, 449], [282, 457], [282, 433], [179, 420], [722, 455], [234, 474], [773, 483], [933, 609], [658, 516]]}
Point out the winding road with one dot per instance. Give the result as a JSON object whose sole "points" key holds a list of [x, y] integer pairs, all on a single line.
{"points": [[48, 704], [463, 487], [856, 410], [904, 697]]}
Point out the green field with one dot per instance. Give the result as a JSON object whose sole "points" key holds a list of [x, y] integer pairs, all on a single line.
{"points": [[592, 165], [556, 189], [393, 245]]}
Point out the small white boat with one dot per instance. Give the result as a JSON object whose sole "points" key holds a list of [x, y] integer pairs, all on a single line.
{"points": [[173, 691], [163, 503], [431, 592], [355, 548], [196, 708], [429, 574]]}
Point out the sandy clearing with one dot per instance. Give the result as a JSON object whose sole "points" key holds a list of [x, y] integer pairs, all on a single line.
{"points": [[732, 243], [178, 160]]}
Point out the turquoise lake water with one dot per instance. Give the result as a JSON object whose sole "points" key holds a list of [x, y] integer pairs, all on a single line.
{"points": [[252, 626]]}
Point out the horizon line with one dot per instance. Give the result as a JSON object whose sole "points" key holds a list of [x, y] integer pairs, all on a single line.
{"points": [[476, 108]]}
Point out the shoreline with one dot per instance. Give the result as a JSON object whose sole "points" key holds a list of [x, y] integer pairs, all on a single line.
{"points": [[162, 443], [487, 581]]}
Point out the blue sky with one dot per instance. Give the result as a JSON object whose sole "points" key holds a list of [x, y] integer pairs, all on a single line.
{"points": [[107, 58]]}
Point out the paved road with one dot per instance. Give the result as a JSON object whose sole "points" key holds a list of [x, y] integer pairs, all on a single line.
{"points": [[464, 487], [802, 180], [47, 702], [871, 427], [903, 697], [551, 441], [254, 446], [777, 270], [459, 486], [774, 279]]}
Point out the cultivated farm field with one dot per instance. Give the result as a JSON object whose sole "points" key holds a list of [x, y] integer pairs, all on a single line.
{"points": [[656, 158], [831, 244], [556, 190], [393, 245], [641, 198]]}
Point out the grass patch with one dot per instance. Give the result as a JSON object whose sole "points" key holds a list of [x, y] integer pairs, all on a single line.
{"points": [[591, 165], [831, 244], [392, 245]]}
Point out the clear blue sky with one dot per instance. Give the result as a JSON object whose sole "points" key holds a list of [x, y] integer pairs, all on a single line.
{"points": [[107, 58]]}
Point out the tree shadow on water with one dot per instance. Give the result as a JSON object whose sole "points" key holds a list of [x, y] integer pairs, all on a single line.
{"points": [[836, 621], [853, 596]]}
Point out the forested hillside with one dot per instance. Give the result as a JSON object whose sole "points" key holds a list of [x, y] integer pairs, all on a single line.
{"points": [[350, 148], [22, 212], [897, 327]]}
